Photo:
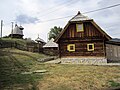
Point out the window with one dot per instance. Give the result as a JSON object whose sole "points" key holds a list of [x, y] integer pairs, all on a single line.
{"points": [[71, 47], [79, 27], [90, 47]]}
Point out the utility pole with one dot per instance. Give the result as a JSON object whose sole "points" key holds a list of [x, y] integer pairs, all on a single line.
{"points": [[1, 27], [48, 36], [12, 30]]}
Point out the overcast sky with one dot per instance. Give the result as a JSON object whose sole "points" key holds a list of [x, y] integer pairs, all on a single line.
{"points": [[33, 15]]}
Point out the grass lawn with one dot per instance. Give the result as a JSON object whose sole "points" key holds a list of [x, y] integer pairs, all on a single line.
{"points": [[58, 76]]}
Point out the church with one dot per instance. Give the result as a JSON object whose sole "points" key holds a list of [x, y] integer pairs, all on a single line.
{"points": [[17, 32]]}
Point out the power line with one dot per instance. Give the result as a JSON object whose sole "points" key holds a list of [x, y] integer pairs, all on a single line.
{"points": [[55, 19], [82, 13], [57, 9], [102, 8], [54, 7]]}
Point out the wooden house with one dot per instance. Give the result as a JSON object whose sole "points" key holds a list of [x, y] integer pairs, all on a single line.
{"points": [[82, 37], [113, 50]]}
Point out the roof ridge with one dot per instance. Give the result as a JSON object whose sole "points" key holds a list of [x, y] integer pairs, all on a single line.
{"points": [[51, 43], [79, 17]]}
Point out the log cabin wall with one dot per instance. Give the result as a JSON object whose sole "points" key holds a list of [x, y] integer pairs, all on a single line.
{"points": [[90, 35], [81, 49], [89, 32]]}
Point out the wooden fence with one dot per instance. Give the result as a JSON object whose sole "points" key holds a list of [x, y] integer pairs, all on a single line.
{"points": [[34, 47]]}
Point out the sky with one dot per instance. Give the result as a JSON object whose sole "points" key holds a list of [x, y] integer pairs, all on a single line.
{"points": [[36, 16]]}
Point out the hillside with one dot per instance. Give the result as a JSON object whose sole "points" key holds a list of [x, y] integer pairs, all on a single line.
{"points": [[22, 44], [13, 62], [12, 40], [17, 72]]}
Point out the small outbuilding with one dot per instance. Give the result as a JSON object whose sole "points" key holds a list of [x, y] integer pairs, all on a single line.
{"points": [[113, 50], [51, 47]]}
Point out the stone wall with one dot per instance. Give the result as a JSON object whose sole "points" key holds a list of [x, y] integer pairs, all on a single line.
{"points": [[95, 60]]}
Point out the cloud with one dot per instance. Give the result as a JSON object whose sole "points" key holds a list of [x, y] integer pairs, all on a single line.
{"points": [[25, 19], [30, 12]]}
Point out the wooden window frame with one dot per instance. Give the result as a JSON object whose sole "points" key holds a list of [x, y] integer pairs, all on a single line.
{"points": [[71, 45], [88, 49], [78, 30]]}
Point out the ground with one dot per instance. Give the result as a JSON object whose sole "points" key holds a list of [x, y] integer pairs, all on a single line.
{"points": [[13, 63]]}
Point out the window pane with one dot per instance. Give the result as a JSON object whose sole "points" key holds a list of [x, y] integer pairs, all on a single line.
{"points": [[79, 27], [71, 48], [90, 47]]}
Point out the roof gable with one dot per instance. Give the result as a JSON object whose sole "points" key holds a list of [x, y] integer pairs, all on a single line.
{"points": [[51, 43], [39, 40], [102, 31], [81, 18]]}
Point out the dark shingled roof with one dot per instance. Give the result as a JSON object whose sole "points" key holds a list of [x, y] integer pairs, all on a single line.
{"points": [[114, 41]]}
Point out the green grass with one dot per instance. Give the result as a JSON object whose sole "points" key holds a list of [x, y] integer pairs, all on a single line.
{"points": [[13, 62], [58, 76], [114, 84], [79, 77]]}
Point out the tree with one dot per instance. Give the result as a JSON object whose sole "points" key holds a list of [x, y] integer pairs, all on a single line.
{"points": [[54, 32]]}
